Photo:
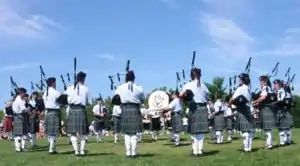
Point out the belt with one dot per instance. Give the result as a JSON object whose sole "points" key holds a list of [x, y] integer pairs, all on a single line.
{"points": [[51, 109], [135, 104], [201, 104], [74, 106]]}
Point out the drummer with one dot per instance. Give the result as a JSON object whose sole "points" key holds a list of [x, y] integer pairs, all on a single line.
{"points": [[176, 116]]}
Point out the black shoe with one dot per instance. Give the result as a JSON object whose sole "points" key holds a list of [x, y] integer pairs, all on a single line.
{"points": [[53, 153]]}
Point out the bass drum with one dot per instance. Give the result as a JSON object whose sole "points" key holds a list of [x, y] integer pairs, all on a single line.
{"points": [[157, 100]]}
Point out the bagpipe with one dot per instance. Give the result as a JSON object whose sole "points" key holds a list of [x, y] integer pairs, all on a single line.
{"points": [[116, 100], [181, 80], [63, 98], [239, 100], [288, 88], [14, 87]]}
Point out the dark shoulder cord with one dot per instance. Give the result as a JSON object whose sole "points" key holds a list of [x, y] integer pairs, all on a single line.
{"points": [[76, 85], [130, 86], [47, 92]]}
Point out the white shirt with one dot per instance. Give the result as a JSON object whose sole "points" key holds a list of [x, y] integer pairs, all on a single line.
{"points": [[175, 105], [143, 111], [200, 93], [117, 110], [32, 103], [18, 105], [97, 109], [227, 112], [50, 100], [127, 96], [219, 106], [265, 90], [75, 98], [67, 110], [288, 95], [185, 121], [281, 94], [243, 90]]}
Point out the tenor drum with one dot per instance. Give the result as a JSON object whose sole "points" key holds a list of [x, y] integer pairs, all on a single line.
{"points": [[157, 100]]}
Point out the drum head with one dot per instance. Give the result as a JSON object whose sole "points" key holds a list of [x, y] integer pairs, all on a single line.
{"points": [[158, 99]]}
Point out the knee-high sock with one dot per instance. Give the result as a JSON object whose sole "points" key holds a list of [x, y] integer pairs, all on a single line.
{"points": [[17, 143], [200, 139], [229, 137], [23, 141], [33, 139], [251, 136], [127, 140], [82, 143], [133, 143], [177, 138], [288, 136], [52, 141], [246, 142], [268, 138], [219, 136], [99, 135], [282, 137], [116, 135], [74, 142], [195, 145]]}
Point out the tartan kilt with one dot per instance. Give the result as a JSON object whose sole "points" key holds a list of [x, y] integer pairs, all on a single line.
{"points": [[77, 121], [99, 124], [131, 119], [155, 124], [20, 125], [117, 124], [33, 124], [177, 124], [219, 122], [257, 123], [8, 124], [52, 122], [198, 118], [229, 123], [268, 118], [284, 119], [245, 121]]}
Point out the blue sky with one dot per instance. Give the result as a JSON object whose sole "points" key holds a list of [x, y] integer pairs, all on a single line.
{"points": [[158, 36]]}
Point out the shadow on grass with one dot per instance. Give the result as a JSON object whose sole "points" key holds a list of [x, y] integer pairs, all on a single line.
{"points": [[87, 154], [210, 153], [253, 150], [147, 155], [181, 144]]}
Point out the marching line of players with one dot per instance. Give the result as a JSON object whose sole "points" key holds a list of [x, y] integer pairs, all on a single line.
{"points": [[241, 108]]}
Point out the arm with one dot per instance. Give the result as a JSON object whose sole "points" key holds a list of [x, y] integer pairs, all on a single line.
{"points": [[170, 106], [236, 93], [262, 96]]}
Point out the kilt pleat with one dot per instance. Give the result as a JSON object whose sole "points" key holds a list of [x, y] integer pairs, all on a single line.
{"points": [[20, 125], [244, 121], [117, 124], [131, 119], [284, 119], [229, 123], [155, 124], [198, 119], [177, 123], [77, 122], [52, 123], [219, 122], [33, 124], [268, 118], [99, 124]]}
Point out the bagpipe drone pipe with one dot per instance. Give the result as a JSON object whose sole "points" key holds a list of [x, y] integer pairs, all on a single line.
{"points": [[181, 80], [116, 100]]}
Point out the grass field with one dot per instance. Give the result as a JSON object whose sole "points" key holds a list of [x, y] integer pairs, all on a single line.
{"points": [[160, 153]]}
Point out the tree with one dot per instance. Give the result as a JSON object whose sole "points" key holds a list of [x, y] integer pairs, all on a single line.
{"points": [[216, 87]]}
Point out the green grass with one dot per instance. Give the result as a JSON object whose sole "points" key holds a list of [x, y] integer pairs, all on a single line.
{"points": [[160, 153]]}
